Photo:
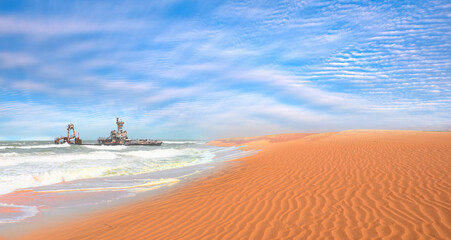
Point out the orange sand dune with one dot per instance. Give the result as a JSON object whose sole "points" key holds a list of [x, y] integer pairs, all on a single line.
{"points": [[348, 185]]}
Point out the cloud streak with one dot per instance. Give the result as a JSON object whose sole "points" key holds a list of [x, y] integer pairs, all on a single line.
{"points": [[42, 27]]}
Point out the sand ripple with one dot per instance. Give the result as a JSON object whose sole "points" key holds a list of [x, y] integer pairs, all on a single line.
{"points": [[346, 185]]}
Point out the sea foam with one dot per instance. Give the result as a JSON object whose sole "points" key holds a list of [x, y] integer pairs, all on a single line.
{"points": [[104, 147], [118, 171], [17, 215], [34, 165]]}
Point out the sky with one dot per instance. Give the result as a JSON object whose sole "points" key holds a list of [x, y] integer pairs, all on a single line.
{"points": [[209, 69]]}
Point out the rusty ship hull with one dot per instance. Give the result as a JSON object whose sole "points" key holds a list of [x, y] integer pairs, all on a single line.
{"points": [[145, 142], [117, 137]]}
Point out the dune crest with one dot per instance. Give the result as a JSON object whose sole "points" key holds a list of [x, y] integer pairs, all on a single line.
{"points": [[346, 185]]}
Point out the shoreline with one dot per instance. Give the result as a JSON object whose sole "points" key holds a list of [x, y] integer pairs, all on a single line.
{"points": [[48, 216], [350, 184]]}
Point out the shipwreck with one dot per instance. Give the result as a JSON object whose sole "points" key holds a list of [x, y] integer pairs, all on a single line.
{"points": [[68, 139], [117, 137], [120, 137]]}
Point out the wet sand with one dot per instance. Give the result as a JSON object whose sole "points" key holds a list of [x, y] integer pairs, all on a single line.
{"points": [[348, 185]]}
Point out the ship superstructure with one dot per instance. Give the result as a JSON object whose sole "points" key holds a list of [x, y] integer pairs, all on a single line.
{"points": [[68, 139], [119, 137]]}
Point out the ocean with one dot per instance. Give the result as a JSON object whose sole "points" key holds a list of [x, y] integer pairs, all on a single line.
{"points": [[37, 175]]}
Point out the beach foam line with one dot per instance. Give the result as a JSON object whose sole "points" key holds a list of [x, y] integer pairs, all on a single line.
{"points": [[17, 158], [10, 213], [65, 145], [148, 184], [104, 147], [11, 183], [160, 153]]}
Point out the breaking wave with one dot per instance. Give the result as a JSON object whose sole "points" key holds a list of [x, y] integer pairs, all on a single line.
{"points": [[104, 172], [34, 167], [10, 159], [104, 147], [65, 145]]}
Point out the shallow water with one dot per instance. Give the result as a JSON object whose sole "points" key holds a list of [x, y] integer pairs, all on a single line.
{"points": [[39, 175]]}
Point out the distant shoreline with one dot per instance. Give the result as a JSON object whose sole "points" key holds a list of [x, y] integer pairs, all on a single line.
{"points": [[344, 185]]}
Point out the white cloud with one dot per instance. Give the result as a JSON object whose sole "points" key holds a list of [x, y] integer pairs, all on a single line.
{"points": [[31, 86], [234, 113], [298, 88], [166, 94], [14, 60], [126, 85], [45, 27]]}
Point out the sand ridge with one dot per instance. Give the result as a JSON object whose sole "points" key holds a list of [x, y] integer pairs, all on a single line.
{"points": [[346, 185]]}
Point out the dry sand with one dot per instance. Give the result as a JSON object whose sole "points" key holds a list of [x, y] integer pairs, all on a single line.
{"points": [[348, 185]]}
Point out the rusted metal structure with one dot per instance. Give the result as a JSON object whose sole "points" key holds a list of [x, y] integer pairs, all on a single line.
{"points": [[68, 139], [119, 137]]}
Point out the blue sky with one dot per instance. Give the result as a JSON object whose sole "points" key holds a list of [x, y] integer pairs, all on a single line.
{"points": [[209, 69]]}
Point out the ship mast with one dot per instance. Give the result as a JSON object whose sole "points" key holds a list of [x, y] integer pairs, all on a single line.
{"points": [[120, 124], [70, 127]]}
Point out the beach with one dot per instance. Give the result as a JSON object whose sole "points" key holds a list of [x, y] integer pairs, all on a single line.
{"points": [[356, 184]]}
